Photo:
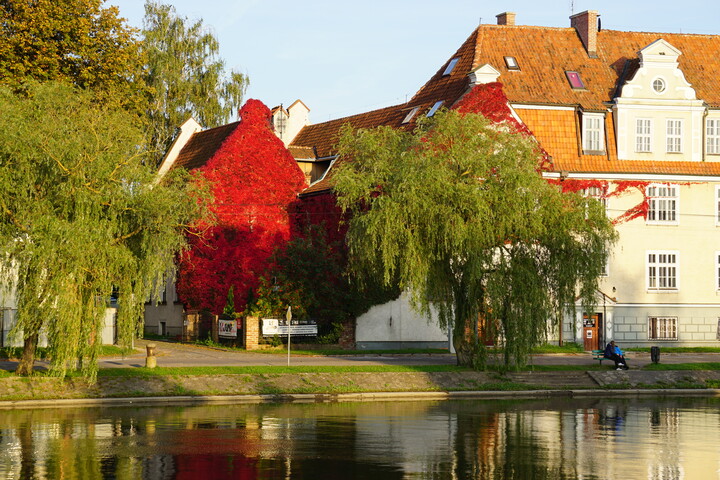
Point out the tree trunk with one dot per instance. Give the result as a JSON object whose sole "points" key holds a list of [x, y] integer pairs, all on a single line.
{"points": [[27, 361], [464, 346]]}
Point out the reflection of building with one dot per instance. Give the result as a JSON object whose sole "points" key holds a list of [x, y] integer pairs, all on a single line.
{"points": [[630, 118], [563, 438]]}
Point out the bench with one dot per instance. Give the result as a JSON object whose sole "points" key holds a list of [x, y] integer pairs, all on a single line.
{"points": [[599, 355]]}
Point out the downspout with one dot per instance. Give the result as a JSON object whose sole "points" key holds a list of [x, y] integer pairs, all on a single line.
{"points": [[703, 147]]}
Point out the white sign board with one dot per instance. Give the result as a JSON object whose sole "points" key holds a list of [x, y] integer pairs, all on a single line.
{"points": [[227, 328], [272, 327]]}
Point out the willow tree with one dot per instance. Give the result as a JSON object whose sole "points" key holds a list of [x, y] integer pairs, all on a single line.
{"points": [[458, 213], [80, 217], [185, 75]]}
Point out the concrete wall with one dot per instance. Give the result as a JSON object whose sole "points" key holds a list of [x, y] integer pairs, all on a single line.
{"points": [[396, 325], [168, 311]]}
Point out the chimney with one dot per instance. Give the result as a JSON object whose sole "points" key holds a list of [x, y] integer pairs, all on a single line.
{"points": [[586, 25], [506, 18]]}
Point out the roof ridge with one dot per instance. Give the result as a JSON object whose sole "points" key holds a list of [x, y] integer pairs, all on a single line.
{"points": [[357, 115], [660, 33], [539, 27]]}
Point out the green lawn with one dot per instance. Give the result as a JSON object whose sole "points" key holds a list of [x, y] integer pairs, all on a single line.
{"points": [[257, 370], [683, 366], [677, 350]]}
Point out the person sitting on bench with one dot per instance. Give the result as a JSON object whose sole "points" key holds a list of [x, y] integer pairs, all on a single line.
{"points": [[614, 353]]}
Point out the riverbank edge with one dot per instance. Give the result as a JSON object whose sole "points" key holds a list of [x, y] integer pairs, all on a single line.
{"points": [[192, 400]]}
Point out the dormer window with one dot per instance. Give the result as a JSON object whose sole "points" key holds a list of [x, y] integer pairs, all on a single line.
{"points": [[575, 81], [435, 108], [511, 63], [593, 133], [451, 66], [410, 115]]}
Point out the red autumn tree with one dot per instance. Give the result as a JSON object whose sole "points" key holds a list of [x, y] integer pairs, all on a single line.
{"points": [[254, 179]]}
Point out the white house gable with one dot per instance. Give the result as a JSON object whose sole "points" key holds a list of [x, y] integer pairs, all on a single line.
{"points": [[658, 115]]}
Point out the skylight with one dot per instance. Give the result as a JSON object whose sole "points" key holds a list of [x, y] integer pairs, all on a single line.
{"points": [[575, 80], [450, 66], [410, 115], [511, 63], [434, 108]]}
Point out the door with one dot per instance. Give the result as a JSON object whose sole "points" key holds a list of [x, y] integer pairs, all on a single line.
{"points": [[591, 329]]}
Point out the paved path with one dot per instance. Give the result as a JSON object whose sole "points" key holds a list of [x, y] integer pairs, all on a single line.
{"points": [[181, 355]]}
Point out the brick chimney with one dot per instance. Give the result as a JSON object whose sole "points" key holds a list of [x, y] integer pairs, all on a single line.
{"points": [[506, 18], [586, 25]]}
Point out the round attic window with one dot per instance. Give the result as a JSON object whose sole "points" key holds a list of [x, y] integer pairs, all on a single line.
{"points": [[658, 85]]}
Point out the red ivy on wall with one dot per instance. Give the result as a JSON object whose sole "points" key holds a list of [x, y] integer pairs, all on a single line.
{"points": [[621, 188], [254, 180], [319, 210]]}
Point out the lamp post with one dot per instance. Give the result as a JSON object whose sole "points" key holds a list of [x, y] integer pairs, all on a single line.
{"points": [[288, 317]]}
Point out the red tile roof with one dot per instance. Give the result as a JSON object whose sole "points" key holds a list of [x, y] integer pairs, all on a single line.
{"points": [[203, 145], [544, 54]]}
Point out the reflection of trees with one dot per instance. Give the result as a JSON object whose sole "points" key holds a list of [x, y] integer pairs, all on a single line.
{"points": [[439, 440], [509, 445]]}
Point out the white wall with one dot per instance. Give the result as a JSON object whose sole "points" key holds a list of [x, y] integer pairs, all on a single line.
{"points": [[396, 325]]}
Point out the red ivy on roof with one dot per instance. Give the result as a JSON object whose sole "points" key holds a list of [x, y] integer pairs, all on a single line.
{"points": [[489, 100], [254, 179]]}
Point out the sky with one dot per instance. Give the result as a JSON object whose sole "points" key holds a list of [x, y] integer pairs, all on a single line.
{"points": [[345, 57]]}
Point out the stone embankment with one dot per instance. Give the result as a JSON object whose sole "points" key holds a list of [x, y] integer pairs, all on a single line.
{"points": [[16, 391]]}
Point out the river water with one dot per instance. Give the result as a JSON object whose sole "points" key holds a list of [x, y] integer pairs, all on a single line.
{"points": [[651, 438]]}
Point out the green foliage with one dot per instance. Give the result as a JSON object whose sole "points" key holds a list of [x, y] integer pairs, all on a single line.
{"points": [[75, 41], [229, 310], [185, 76], [458, 213], [332, 336], [309, 274], [567, 347], [81, 215]]}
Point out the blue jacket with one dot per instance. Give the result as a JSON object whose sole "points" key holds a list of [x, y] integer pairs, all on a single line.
{"points": [[610, 350]]}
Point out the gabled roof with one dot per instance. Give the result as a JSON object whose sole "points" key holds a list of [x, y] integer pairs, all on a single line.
{"points": [[203, 145], [324, 136], [544, 55]]}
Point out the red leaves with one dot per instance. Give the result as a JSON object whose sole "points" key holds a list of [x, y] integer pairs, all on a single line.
{"points": [[490, 101], [254, 180]]}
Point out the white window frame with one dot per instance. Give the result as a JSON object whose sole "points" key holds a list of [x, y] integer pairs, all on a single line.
{"points": [[436, 106], [410, 115], [673, 135], [659, 85], [666, 328], [643, 135], [712, 136], [663, 204], [662, 267], [717, 271], [450, 66], [593, 133]]}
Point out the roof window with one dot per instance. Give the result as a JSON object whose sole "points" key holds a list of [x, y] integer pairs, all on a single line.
{"points": [[434, 108], [511, 63], [451, 66], [410, 115], [575, 81]]}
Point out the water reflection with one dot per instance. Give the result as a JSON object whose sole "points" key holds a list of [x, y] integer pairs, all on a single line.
{"points": [[656, 439]]}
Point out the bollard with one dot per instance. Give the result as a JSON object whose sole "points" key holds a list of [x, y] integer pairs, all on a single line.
{"points": [[150, 360], [655, 354]]}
